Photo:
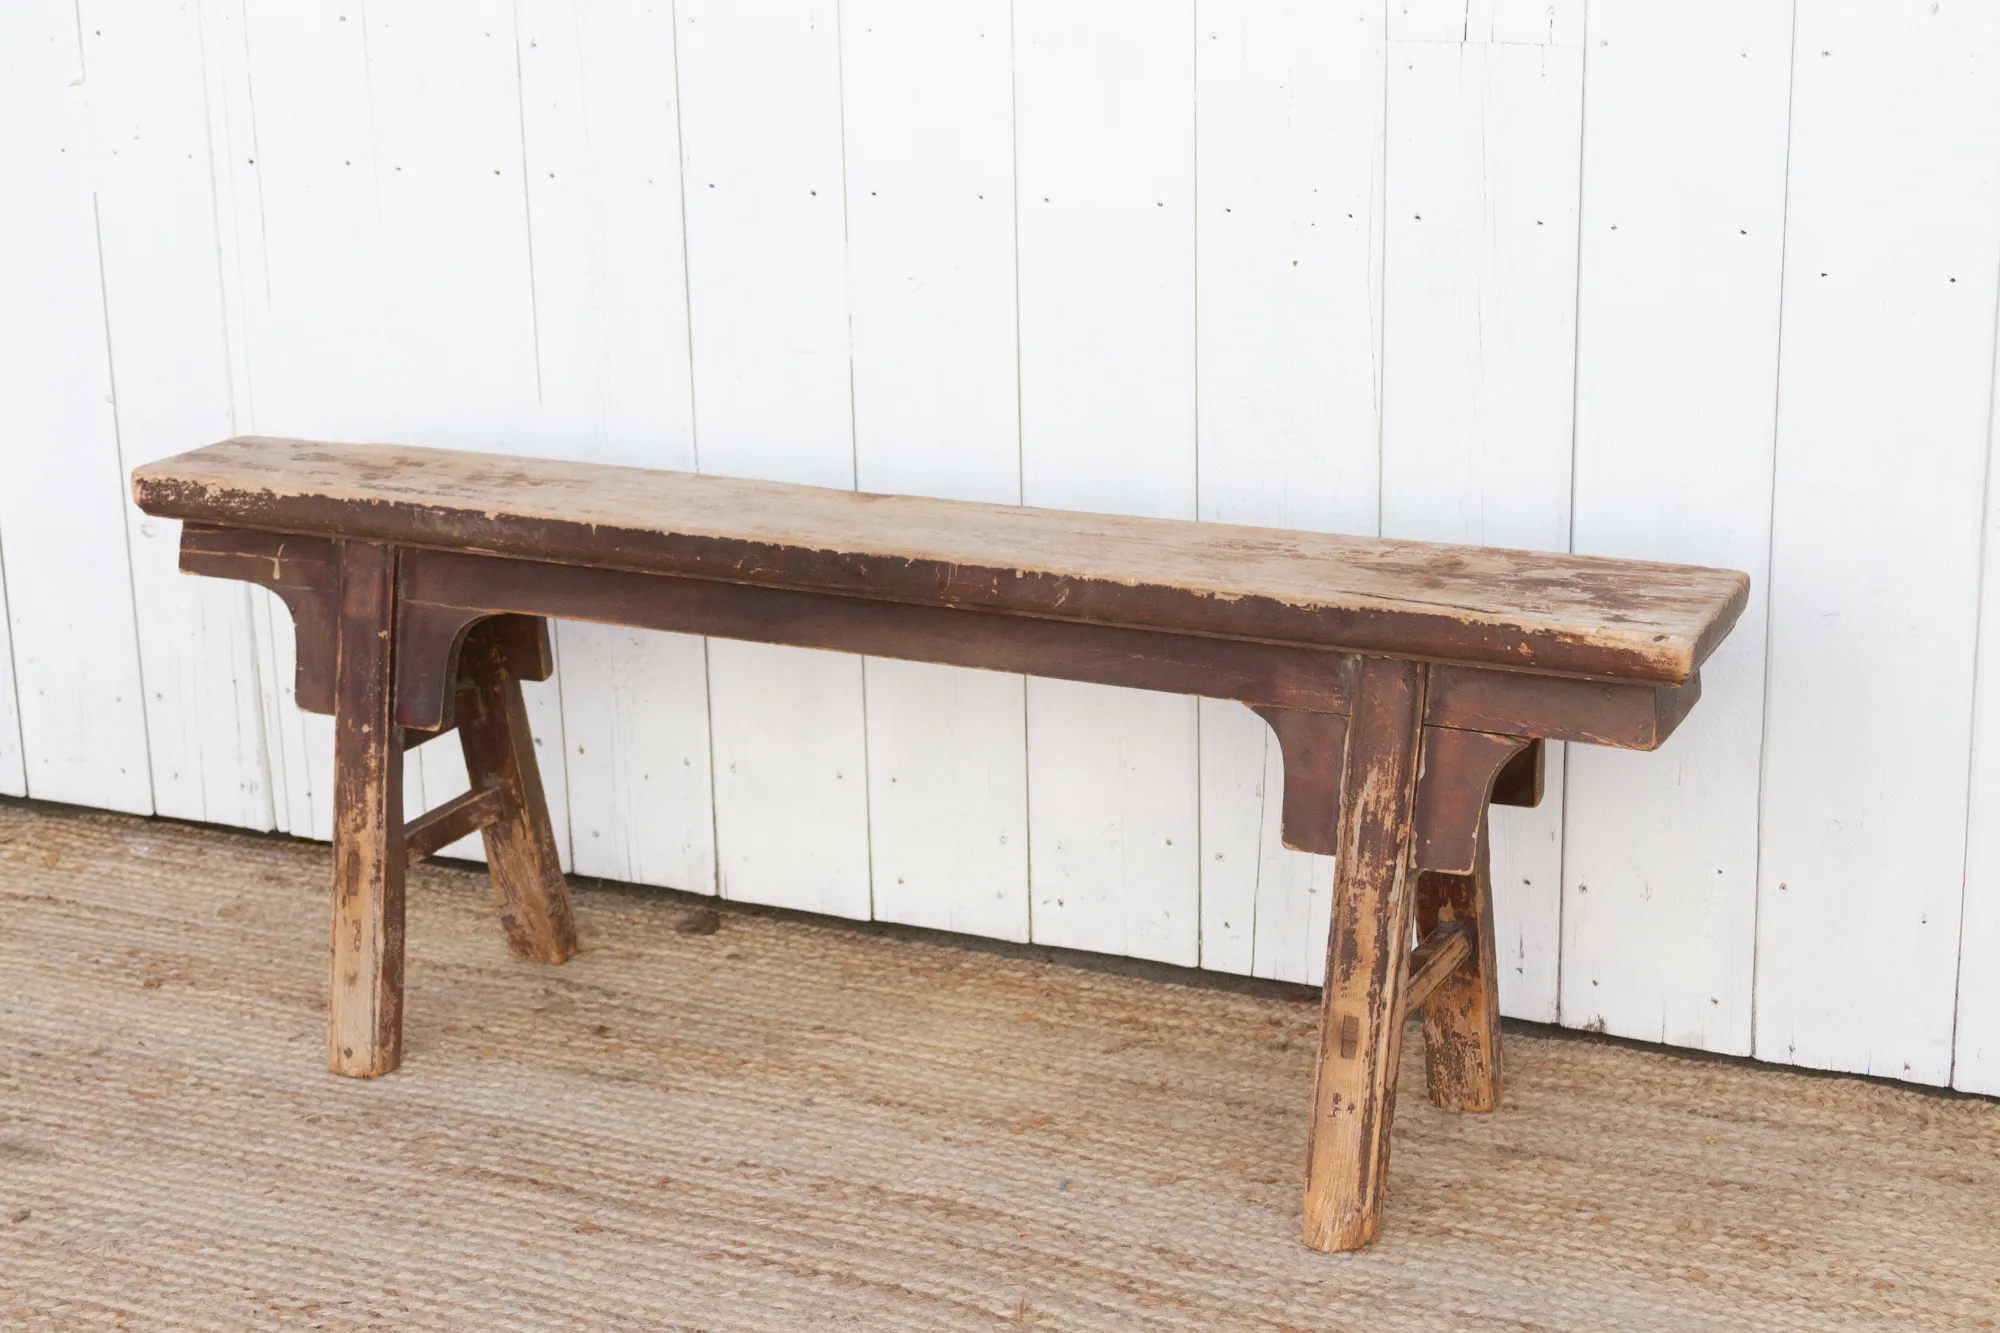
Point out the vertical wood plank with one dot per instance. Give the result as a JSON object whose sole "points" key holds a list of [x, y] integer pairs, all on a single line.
{"points": [[601, 140], [163, 303], [1682, 251], [1885, 382], [364, 1030], [1288, 153], [1976, 1023], [1484, 129], [1105, 132], [69, 583], [231, 157], [394, 248], [298, 153], [1361, 1003], [928, 113], [462, 366], [1239, 799], [762, 168], [635, 723]]}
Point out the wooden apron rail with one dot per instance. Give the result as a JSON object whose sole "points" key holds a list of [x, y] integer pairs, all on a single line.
{"points": [[1409, 687]]}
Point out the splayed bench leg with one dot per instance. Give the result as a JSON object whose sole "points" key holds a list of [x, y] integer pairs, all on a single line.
{"points": [[1361, 1022], [364, 1031], [1462, 1016], [528, 888]]}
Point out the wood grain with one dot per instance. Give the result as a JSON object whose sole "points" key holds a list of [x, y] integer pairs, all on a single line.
{"points": [[1549, 612], [69, 583], [365, 1001], [1462, 1015], [463, 815], [1361, 1020], [927, 100], [773, 365], [1314, 748], [1442, 952], [1683, 216], [521, 860], [1459, 772], [1106, 349], [1892, 266]]}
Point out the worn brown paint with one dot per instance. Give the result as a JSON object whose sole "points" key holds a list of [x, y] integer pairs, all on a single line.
{"points": [[1354, 1098], [1519, 781], [1408, 684], [365, 1009], [1619, 714], [467, 813], [1459, 768], [1314, 746], [303, 571], [528, 889], [1564, 613], [1442, 952], [1462, 1015], [448, 588]]}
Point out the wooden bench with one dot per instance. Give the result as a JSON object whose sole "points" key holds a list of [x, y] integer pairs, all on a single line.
{"points": [[1408, 684]]}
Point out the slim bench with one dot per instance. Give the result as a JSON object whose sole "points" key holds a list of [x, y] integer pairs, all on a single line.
{"points": [[1409, 685]]}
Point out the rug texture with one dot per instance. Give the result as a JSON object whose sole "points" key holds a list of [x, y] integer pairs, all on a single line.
{"points": [[789, 1125]]}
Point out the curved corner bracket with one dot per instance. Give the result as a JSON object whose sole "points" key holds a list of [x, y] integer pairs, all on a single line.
{"points": [[1314, 746], [1454, 787], [430, 642], [429, 639], [303, 571]]}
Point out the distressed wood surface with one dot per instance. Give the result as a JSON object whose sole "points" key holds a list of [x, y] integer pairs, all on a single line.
{"points": [[1459, 772], [1520, 609], [1442, 952], [463, 815], [1361, 1005], [1313, 747], [499, 748], [365, 1000], [1462, 1014], [307, 147]]}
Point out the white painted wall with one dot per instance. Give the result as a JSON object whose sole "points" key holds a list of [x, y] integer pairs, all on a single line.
{"points": [[1712, 282]]}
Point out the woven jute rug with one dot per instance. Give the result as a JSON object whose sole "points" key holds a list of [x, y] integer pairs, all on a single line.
{"points": [[789, 1125]]}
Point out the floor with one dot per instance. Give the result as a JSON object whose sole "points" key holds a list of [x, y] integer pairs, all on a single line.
{"points": [[781, 1124]]}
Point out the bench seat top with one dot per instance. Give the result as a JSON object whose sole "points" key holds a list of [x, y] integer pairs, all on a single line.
{"points": [[1572, 615]]}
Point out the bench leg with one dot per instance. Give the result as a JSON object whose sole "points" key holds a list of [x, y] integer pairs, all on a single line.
{"points": [[528, 888], [1361, 1023], [364, 1033], [1462, 1016]]}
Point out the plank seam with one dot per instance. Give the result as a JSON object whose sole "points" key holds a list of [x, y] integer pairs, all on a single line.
{"points": [[527, 201], [1979, 647], [1771, 538], [124, 504], [13, 672]]}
